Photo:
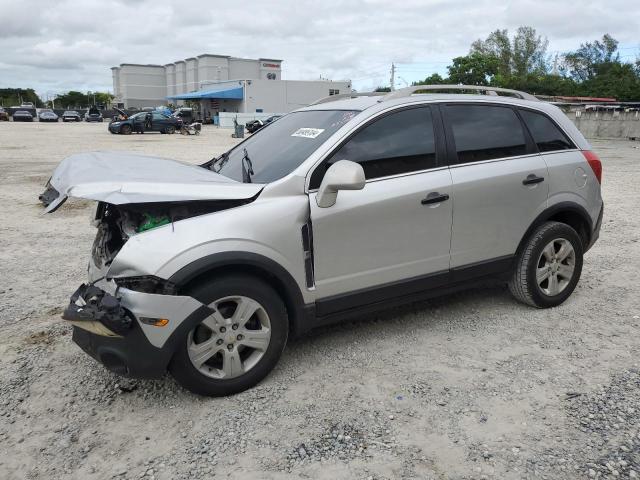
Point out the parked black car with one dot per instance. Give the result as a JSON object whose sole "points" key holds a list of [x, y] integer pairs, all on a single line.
{"points": [[93, 115], [22, 116], [71, 116], [135, 123], [255, 125]]}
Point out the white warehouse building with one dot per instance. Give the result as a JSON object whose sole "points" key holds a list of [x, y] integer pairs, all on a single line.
{"points": [[219, 83]]}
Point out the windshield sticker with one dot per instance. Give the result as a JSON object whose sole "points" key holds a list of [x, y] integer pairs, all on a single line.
{"points": [[307, 132]]}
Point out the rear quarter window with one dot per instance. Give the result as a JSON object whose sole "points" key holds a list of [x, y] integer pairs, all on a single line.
{"points": [[546, 135]]}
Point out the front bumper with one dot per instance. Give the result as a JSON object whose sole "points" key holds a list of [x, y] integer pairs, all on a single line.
{"points": [[116, 327]]}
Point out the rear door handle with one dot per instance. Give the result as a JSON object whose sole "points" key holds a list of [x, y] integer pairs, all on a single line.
{"points": [[532, 179], [434, 197]]}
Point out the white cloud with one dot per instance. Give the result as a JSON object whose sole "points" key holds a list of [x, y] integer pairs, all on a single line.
{"points": [[71, 45]]}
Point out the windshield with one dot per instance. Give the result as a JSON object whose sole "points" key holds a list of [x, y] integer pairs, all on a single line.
{"points": [[277, 150]]}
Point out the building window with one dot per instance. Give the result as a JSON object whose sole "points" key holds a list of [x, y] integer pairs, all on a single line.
{"points": [[334, 92]]}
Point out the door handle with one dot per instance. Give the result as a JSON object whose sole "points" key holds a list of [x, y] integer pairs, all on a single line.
{"points": [[532, 179], [434, 197]]}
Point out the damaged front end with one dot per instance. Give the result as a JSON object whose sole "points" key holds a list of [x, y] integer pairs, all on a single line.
{"points": [[131, 333], [128, 321], [116, 224]]}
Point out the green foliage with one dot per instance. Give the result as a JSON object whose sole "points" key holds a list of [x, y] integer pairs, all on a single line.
{"points": [[518, 57], [11, 97], [102, 98], [613, 79], [383, 89], [583, 63], [521, 63], [473, 69], [434, 79], [74, 99]]}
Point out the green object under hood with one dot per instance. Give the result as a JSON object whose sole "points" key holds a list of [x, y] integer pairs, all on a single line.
{"points": [[152, 222]]}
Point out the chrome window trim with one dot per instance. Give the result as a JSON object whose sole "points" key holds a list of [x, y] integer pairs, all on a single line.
{"points": [[502, 159]]}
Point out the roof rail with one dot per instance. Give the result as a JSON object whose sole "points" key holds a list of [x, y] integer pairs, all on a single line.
{"points": [[407, 92], [344, 96]]}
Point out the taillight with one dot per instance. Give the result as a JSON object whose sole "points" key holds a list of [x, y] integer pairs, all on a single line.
{"points": [[595, 163]]}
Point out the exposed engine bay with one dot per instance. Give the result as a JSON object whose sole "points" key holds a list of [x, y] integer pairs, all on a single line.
{"points": [[117, 223]]}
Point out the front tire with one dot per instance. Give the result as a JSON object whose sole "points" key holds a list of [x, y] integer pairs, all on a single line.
{"points": [[125, 130], [548, 267], [239, 344], [170, 130]]}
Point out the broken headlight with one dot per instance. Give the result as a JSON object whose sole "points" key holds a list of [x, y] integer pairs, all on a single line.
{"points": [[147, 284]]}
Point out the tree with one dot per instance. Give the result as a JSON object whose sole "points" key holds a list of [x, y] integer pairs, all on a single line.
{"points": [[613, 79], [72, 99], [518, 57], [583, 63], [75, 99], [103, 98], [473, 69], [10, 97], [383, 89], [497, 45], [433, 79]]}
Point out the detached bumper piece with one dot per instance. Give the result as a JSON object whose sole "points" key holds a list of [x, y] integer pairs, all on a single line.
{"points": [[121, 328], [106, 331], [97, 311]]}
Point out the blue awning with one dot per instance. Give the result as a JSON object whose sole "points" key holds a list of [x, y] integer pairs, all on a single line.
{"points": [[230, 92]]}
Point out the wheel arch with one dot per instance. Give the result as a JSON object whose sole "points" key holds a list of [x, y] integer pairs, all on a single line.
{"points": [[251, 264], [569, 213]]}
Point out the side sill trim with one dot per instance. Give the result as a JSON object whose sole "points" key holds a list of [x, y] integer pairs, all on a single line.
{"points": [[410, 288]]}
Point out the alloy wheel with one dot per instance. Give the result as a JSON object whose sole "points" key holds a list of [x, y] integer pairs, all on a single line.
{"points": [[555, 266], [232, 340]]}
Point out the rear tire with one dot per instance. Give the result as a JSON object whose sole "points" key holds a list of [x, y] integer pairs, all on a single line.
{"points": [[242, 346], [548, 267]]}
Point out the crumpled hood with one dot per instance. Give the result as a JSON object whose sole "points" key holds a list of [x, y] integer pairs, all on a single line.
{"points": [[122, 177]]}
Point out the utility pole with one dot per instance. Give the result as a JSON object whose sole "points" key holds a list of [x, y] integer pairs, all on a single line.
{"points": [[555, 65], [393, 76]]}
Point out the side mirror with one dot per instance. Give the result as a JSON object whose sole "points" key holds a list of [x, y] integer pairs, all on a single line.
{"points": [[342, 175]]}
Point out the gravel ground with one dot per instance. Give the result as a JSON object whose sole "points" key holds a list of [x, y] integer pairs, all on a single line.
{"points": [[467, 386]]}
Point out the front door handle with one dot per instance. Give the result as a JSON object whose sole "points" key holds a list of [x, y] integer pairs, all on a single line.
{"points": [[532, 179], [434, 197]]}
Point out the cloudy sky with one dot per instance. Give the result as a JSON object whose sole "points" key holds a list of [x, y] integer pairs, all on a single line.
{"points": [[55, 46]]}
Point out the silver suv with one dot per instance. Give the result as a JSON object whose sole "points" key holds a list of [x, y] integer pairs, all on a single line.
{"points": [[347, 206]]}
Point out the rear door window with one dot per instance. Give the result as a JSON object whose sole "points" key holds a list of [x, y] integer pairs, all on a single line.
{"points": [[397, 143], [546, 135], [485, 132]]}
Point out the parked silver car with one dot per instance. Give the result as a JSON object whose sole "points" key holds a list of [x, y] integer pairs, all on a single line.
{"points": [[47, 116], [354, 204]]}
